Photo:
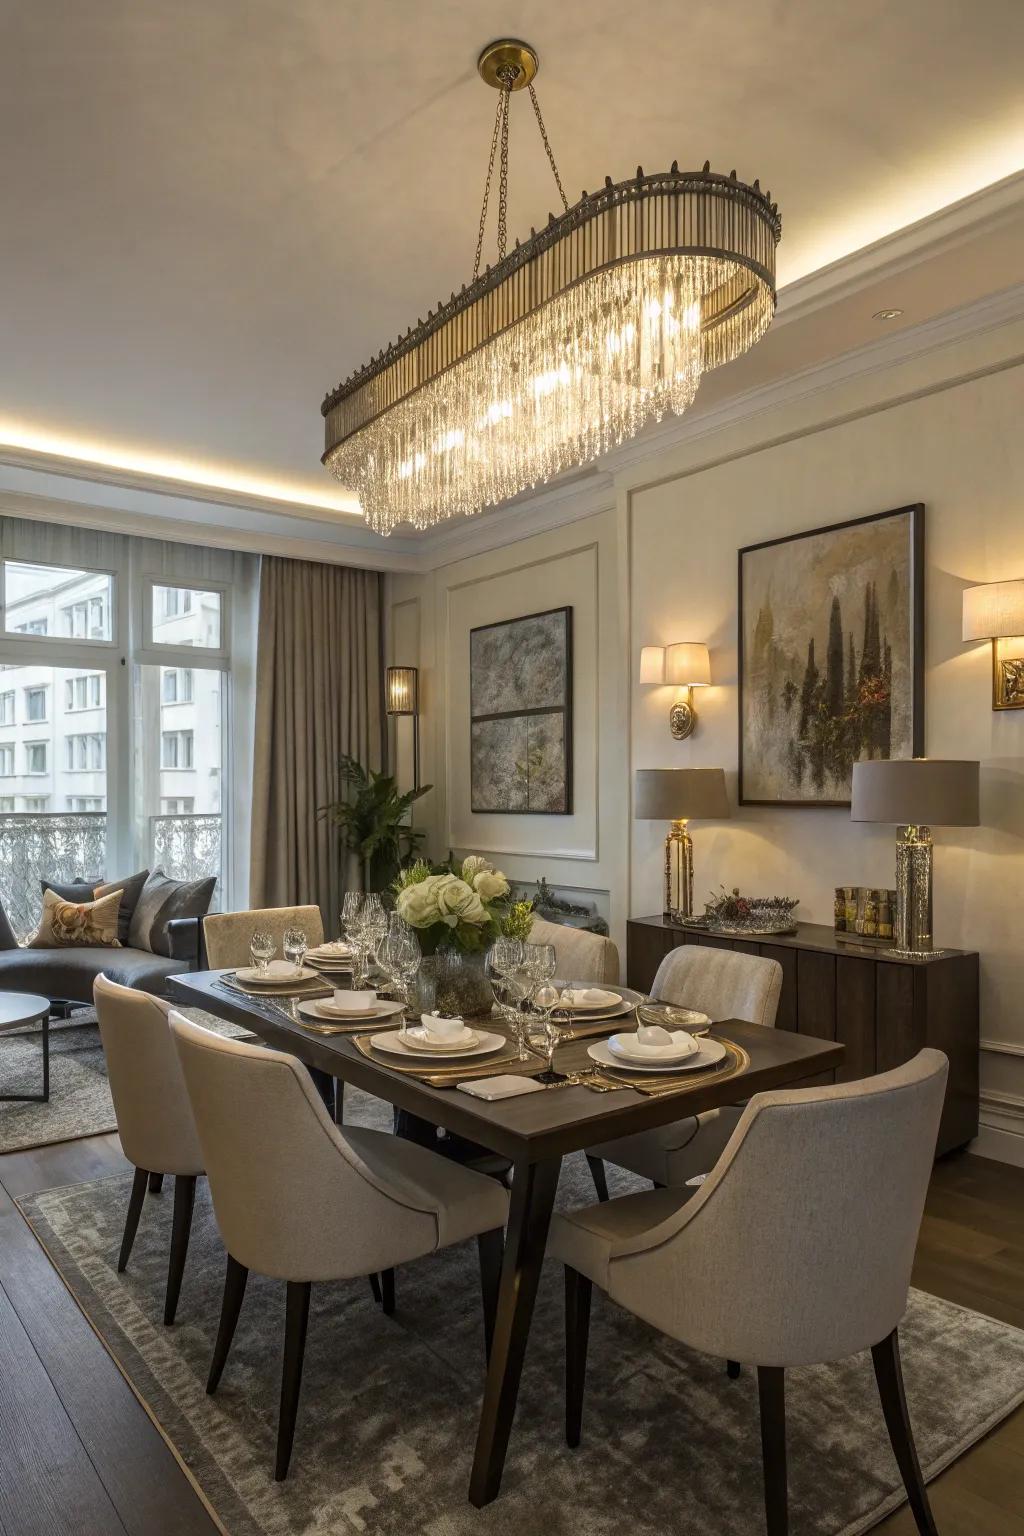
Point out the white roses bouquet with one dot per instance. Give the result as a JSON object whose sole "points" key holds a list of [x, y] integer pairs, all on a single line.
{"points": [[465, 907]]}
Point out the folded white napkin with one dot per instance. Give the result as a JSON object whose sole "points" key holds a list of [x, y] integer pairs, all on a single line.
{"points": [[354, 1002], [505, 1086], [280, 969], [652, 1041], [440, 1029], [587, 997]]}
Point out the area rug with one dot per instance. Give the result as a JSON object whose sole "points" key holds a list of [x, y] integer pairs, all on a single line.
{"points": [[389, 1407], [79, 1103]]}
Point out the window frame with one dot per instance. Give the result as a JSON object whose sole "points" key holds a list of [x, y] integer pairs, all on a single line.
{"points": [[49, 639], [160, 653]]}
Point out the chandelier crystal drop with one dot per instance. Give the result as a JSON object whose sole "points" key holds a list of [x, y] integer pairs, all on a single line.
{"points": [[602, 322]]}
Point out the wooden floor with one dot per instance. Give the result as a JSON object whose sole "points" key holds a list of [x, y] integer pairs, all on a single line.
{"points": [[79, 1457]]}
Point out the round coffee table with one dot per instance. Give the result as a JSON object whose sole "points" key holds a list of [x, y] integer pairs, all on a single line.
{"points": [[17, 1009]]}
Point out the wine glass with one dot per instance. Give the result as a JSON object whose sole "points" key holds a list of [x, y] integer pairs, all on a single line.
{"points": [[350, 910], [399, 957], [504, 969], [262, 950], [539, 963], [373, 926], [553, 1020], [295, 945]]}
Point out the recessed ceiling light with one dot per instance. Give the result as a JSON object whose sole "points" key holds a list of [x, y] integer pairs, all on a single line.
{"points": [[887, 314]]}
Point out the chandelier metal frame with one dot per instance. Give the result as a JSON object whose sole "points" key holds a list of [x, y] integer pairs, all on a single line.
{"points": [[668, 216]]}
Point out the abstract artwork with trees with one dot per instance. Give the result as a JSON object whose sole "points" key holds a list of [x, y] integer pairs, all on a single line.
{"points": [[831, 665]]}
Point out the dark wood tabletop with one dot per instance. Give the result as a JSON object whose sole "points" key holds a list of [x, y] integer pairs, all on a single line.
{"points": [[534, 1132]]}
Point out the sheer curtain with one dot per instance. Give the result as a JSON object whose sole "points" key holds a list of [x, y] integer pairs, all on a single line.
{"points": [[319, 682]]}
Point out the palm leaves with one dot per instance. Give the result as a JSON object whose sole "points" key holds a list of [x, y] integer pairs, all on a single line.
{"points": [[371, 819]]}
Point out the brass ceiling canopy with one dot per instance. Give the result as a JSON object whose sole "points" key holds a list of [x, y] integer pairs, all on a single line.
{"points": [[599, 323]]}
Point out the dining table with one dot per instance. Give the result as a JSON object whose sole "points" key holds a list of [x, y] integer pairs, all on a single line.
{"points": [[534, 1132]]}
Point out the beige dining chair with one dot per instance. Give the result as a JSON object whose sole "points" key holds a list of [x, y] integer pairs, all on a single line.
{"points": [[227, 934], [301, 1200], [796, 1250], [579, 956], [724, 984], [153, 1114]]}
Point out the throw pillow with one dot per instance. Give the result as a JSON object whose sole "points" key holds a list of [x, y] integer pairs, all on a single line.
{"points": [[130, 888], [162, 900], [67, 923]]}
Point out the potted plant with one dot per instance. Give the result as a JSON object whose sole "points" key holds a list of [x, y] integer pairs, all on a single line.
{"points": [[371, 817]]}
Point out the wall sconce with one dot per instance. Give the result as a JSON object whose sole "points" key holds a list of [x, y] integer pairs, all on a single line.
{"points": [[401, 693], [684, 665], [995, 612]]}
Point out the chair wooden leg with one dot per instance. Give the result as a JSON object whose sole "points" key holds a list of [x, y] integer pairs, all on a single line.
{"points": [[889, 1375], [771, 1389], [491, 1247], [297, 1318], [387, 1292], [732, 1369], [234, 1291], [577, 1332], [156, 1183], [131, 1225], [597, 1173], [184, 1204], [375, 1288]]}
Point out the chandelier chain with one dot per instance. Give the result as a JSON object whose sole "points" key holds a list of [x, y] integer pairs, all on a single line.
{"points": [[547, 146], [503, 177], [487, 189]]}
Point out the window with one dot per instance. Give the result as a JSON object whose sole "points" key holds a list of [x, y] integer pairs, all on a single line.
{"points": [[176, 685], [7, 760], [34, 803], [183, 805], [35, 703], [86, 752], [176, 749], [57, 600], [186, 616], [85, 803], [7, 708], [35, 756], [6, 802], [85, 691]]}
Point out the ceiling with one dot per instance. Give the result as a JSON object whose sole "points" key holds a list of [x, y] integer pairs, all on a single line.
{"points": [[213, 212]]}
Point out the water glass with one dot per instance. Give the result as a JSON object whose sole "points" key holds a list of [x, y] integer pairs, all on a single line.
{"points": [[351, 908], [262, 950], [295, 945]]}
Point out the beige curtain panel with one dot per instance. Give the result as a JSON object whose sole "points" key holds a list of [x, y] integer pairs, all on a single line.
{"points": [[319, 681]]}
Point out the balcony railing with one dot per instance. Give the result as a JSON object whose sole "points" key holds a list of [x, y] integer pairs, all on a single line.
{"points": [[187, 847], [44, 846]]}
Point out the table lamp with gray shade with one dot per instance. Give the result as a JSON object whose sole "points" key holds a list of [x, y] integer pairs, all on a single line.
{"points": [[916, 793], [679, 795]]}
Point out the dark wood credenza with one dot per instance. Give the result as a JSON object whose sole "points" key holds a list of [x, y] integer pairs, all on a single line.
{"points": [[883, 1008]]}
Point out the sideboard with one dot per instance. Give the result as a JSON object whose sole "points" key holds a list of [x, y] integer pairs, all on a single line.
{"points": [[883, 1007]]}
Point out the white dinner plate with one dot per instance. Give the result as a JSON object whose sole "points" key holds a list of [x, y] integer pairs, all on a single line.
{"points": [[608, 1000], [596, 1015], [252, 977], [709, 1054], [392, 1044], [418, 1038], [316, 1010], [619, 1045]]}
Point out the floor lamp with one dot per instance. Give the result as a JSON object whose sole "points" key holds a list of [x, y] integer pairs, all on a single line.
{"points": [[402, 698]]}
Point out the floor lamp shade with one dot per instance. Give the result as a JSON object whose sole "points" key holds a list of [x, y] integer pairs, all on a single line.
{"points": [[400, 690], [916, 794], [677, 795]]}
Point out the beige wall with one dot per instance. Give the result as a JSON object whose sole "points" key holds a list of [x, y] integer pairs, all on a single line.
{"points": [[944, 429]]}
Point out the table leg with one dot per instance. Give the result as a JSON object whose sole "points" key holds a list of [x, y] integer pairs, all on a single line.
{"points": [[46, 1058], [533, 1197]]}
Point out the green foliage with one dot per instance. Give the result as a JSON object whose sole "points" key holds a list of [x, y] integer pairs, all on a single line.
{"points": [[371, 820], [518, 920]]}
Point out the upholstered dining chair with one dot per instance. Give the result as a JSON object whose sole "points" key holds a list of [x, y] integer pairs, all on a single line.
{"points": [[153, 1113], [301, 1200], [796, 1250], [724, 984], [227, 934], [580, 956]]}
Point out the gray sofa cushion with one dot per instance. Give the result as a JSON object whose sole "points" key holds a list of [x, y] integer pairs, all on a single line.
{"points": [[70, 973], [162, 901]]}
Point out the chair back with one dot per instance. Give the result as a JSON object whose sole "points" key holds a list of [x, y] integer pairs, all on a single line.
{"points": [[798, 1247], [292, 1199], [722, 983], [580, 956], [227, 934], [151, 1105]]}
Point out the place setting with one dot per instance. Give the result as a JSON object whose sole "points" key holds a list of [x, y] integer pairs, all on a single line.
{"points": [[656, 1060]]}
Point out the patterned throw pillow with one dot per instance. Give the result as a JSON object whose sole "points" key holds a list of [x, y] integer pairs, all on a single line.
{"points": [[68, 923], [130, 888]]}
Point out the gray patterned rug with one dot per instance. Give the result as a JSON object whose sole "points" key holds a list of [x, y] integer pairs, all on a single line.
{"points": [[389, 1407], [79, 1103]]}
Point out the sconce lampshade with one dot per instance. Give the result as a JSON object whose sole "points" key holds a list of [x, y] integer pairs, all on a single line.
{"points": [[916, 791], [994, 611], [681, 794], [688, 665], [652, 664], [400, 690]]}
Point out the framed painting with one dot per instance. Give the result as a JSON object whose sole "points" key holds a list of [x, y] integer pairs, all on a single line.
{"points": [[520, 706], [831, 656]]}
